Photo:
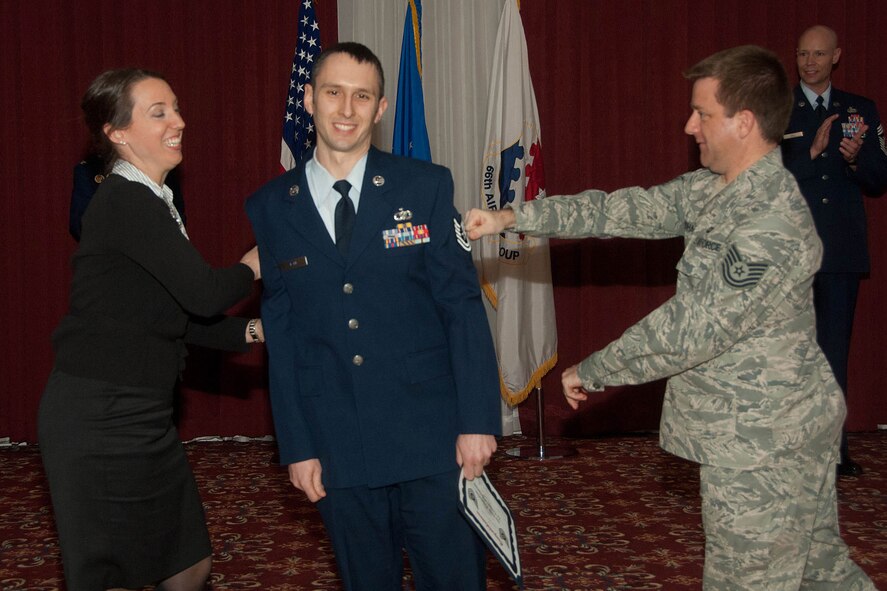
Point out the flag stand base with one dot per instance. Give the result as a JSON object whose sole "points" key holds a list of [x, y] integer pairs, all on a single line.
{"points": [[540, 451]]}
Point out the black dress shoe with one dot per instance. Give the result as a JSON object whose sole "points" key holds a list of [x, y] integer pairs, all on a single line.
{"points": [[849, 468]]}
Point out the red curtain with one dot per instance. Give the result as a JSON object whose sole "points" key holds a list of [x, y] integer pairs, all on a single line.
{"points": [[612, 103], [228, 62]]}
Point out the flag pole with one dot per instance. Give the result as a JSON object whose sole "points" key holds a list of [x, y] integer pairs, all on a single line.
{"points": [[540, 452]]}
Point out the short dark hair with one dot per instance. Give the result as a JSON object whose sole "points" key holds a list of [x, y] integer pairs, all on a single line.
{"points": [[361, 54], [750, 77], [108, 100]]}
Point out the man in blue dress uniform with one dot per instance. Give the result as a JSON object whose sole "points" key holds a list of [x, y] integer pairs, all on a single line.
{"points": [[835, 148], [383, 375]]}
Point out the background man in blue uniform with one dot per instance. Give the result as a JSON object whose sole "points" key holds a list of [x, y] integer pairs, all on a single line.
{"points": [[837, 154], [383, 375]]}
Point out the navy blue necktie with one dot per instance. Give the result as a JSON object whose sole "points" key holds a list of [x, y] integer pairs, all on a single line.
{"points": [[820, 108], [344, 217]]}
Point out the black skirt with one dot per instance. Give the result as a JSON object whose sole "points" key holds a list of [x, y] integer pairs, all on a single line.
{"points": [[126, 505]]}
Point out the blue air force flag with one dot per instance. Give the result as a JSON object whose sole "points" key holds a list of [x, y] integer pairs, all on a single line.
{"points": [[410, 135]]}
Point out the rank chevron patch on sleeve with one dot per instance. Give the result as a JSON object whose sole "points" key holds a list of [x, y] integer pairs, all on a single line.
{"points": [[461, 235], [740, 274]]}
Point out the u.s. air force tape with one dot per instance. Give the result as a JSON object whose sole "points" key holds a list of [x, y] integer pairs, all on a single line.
{"points": [[739, 273]]}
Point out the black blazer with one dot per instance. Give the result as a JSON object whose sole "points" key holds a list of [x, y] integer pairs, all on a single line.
{"points": [[88, 175], [140, 291]]}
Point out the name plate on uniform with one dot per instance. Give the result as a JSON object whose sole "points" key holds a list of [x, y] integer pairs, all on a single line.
{"points": [[296, 263]]}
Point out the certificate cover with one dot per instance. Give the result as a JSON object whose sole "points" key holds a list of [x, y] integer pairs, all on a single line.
{"points": [[487, 512]]}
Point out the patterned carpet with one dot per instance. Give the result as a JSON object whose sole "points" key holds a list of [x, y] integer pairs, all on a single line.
{"points": [[621, 515]]}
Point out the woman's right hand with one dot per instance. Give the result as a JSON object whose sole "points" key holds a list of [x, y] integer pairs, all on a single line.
{"points": [[251, 260]]}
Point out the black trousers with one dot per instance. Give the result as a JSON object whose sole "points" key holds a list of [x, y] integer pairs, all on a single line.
{"points": [[834, 298], [371, 527]]}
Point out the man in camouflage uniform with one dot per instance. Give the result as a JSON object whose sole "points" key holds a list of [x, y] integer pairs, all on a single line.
{"points": [[750, 396]]}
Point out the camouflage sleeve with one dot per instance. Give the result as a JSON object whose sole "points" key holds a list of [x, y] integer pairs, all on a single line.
{"points": [[633, 212], [728, 295]]}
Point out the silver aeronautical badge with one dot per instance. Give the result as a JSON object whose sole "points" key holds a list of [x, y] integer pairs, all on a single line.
{"points": [[403, 215], [378, 180], [852, 110], [294, 190]]}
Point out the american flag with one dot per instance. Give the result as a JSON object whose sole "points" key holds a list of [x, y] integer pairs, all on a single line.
{"points": [[298, 126]]}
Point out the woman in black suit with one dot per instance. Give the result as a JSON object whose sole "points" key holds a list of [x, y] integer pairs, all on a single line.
{"points": [[126, 505]]}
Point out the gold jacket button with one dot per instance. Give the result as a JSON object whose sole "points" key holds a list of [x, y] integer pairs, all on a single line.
{"points": [[357, 360]]}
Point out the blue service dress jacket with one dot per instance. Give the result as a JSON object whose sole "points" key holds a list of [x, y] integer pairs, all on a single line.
{"points": [[377, 361], [834, 191]]}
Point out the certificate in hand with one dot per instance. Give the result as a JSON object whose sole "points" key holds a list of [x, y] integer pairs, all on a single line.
{"points": [[487, 513]]}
